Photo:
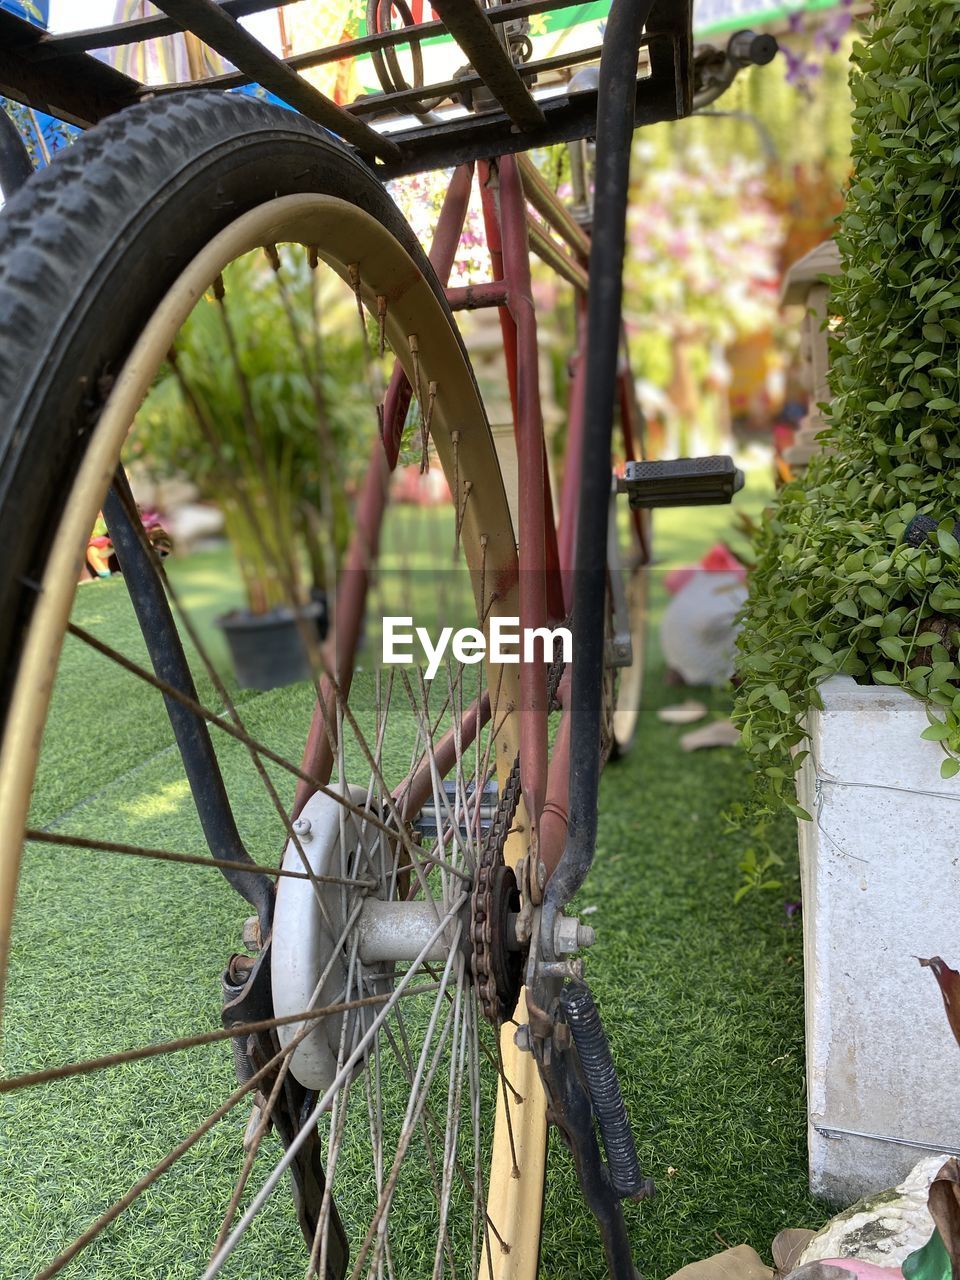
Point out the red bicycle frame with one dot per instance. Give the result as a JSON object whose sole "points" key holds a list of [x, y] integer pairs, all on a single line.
{"points": [[547, 540]]}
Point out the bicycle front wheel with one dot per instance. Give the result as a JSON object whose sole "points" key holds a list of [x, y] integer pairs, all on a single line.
{"points": [[197, 280]]}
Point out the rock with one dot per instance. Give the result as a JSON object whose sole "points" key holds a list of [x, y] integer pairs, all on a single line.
{"points": [[883, 1228]]}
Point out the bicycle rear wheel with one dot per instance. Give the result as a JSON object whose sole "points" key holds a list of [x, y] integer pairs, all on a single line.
{"points": [[117, 267]]}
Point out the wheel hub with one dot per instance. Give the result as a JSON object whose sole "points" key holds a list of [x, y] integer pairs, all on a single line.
{"points": [[342, 931], [310, 954]]}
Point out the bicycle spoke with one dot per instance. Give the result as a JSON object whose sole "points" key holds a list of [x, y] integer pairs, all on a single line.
{"points": [[108, 651], [28, 1079], [423, 1077], [338, 1118], [193, 859], [473, 1185], [452, 1129], [429, 1127], [280, 1168], [149, 1178]]}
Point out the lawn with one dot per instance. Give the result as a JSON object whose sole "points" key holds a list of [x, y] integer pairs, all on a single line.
{"points": [[703, 1000]]}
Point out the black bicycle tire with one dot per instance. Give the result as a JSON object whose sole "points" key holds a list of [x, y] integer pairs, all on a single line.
{"points": [[87, 250]]}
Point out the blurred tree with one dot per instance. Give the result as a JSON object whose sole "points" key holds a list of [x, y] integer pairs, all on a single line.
{"points": [[279, 446], [702, 268]]}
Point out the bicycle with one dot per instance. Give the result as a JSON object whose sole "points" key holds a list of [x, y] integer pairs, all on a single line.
{"points": [[385, 957]]}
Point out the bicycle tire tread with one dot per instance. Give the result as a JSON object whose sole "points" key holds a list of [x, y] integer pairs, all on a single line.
{"points": [[107, 201]]}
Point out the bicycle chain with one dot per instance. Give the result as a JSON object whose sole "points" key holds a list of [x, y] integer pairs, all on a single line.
{"points": [[482, 921]]}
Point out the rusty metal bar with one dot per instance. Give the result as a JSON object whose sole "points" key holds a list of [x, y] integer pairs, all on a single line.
{"points": [[547, 204], [469, 26], [471, 297], [47, 72], [573, 456], [377, 103], [354, 578], [221, 32], [533, 488], [401, 35], [456, 139], [75, 88], [550, 253]]}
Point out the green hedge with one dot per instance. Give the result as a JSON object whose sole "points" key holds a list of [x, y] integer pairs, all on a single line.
{"points": [[836, 587]]}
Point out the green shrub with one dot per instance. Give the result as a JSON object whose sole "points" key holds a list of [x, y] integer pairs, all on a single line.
{"points": [[836, 588], [277, 436]]}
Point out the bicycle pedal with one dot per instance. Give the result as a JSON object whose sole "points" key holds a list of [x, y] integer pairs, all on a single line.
{"points": [[681, 482]]}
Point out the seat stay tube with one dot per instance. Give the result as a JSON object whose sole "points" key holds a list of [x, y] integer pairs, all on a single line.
{"points": [[632, 431], [531, 487], [351, 603], [569, 493], [493, 215]]}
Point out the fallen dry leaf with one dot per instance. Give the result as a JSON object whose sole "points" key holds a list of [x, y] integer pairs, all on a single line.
{"points": [[949, 982], [944, 1199], [741, 1263], [788, 1245]]}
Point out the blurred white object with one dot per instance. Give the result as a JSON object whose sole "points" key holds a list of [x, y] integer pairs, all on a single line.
{"points": [[194, 522], [683, 712], [721, 733], [699, 630]]}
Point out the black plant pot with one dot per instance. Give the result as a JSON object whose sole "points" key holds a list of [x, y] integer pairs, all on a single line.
{"points": [[268, 649]]}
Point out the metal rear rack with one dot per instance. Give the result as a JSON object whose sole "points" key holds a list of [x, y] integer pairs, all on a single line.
{"points": [[494, 107]]}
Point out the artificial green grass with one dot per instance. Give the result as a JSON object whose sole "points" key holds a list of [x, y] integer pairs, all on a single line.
{"points": [[702, 1000]]}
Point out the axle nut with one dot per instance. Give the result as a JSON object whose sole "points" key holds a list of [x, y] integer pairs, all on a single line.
{"points": [[570, 935]]}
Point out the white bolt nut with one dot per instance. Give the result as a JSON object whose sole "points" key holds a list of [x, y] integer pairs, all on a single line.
{"points": [[302, 828], [570, 935]]}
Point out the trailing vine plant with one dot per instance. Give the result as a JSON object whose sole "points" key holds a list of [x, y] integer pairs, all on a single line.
{"points": [[847, 578]]}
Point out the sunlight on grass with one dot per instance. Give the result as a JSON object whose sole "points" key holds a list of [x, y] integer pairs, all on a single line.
{"points": [[169, 799]]}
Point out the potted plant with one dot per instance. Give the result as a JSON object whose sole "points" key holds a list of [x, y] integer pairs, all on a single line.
{"points": [[850, 673], [263, 408]]}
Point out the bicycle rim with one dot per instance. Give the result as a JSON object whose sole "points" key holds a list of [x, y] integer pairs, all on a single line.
{"points": [[498, 1237]]}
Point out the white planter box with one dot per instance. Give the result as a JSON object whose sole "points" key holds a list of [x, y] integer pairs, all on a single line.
{"points": [[880, 870]]}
